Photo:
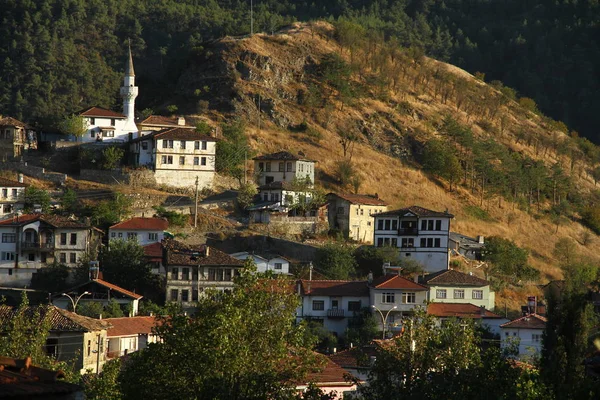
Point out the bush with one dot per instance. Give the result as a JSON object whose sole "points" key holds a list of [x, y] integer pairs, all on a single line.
{"points": [[112, 157], [479, 213], [174, 218], [336, 261]]}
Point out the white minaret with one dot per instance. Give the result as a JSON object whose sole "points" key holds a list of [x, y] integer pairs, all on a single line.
{"points": [[129, 92]]}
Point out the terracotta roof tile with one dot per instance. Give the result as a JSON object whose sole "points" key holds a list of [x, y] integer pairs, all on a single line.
{"points": [[416, 210], [453, 277], [10, 183], [282, 155], [140, 223], [360, 199], [10, 121], [96, 111], [159, 120], [117, 289], [22, 219], [60, 320], [153, 251], [181, 254], [330, 375], [20, 379], [396, 282], [335, 288], [55, 220], [180, 133], [355, 357], [529, 321], [459, 310], [130, 326]]}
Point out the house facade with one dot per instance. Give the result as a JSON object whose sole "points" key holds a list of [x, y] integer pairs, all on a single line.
{"points": [[127, 335], [177, 156], [192, 270], [11, 197], [283, 166], [265, 262], [418, 234], [32, 241], [525, 335], [154, 123], [467, 311], [353, 214], [465, 246], [332, 303], [145, 230], [15, 138], [451, 286]]}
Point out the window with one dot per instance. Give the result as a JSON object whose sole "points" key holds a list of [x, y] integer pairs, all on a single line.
{"points": [[440, 294], [409, 298], [63, 258], [362, 212], [436, 242], [185, 274], [73, 238], [89, 348], [202, 160], [281, 167], [181, 160], [204, 145], [144, 145], [408, 242], [423, 224], [335, 304], [4, 193], [120, 234], [194, 274], [379, 242], [131, 235], [194, 295], [112, 122], [354, 306], [196, 145], [52, 347], [63, 238], [174, 294], [170, 143], [14, 193], [268, 166], [429, 242], [72, 258], [175, 273], [113, 234], [8, 256], [394, 242], [289, 167], [536, 338], [166, 159], [430, 225], [388, 298], [438, 224], [387, 224], [278, 266], [423, 242], [212, 274], [478, 294], [380, 224], [459, 293], [185, 295], [196, 160], [43, 258], [228, 276], [9, 237], [261, 167], [318, 305], [153, 236], [394, 224], [31, 257], [92, 121], [182, 144], [368, 223], [165, 144]]}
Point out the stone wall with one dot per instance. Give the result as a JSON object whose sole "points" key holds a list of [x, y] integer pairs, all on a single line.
{"points": [[287, 248], [36, 172], [141, 178]]}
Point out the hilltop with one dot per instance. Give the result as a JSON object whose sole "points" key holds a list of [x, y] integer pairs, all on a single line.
{"points": [[392, 119]]}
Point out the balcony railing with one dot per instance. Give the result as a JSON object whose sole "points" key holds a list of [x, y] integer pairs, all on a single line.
{"points": [[36, 245], [408, 232], [335, 313]]}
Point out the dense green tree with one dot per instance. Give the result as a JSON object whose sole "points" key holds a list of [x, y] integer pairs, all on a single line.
{"points": [[336, 260], [123, 264], [36, 200], [507, 259], [73, 125], [362, 328], [106, 385], [233, 150], [51, 279]]}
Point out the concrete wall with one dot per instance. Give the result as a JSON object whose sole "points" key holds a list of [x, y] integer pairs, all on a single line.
{"points": [[286, 248], [180, 178], [135, 178], [488, 299]]}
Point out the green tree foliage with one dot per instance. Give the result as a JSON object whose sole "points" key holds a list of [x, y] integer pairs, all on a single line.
{"points": [[69, 203], [104, 386], [94, 309], [371, 259], [565, 250], [112, 157], [591, 217], [109, 212], [51, 279], [36, 199], [241, 344], [73, 125], [336, 260], [175, 218], [123, 264], [440, 160], [246, 195], [508, 260], [363, 328], [233, 150]]}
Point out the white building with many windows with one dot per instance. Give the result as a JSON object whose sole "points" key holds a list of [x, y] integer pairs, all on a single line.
{"points": [[418, 233], [283, 166], [145, 230], [177, 156], [450, 286], [525, 335], [353, 214], [265, 261], [11, 197]]}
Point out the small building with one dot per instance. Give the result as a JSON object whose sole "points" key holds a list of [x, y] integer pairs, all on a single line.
{"points": [[153, 254], [265, 261], [465, 246], [193, 269], [418, 234], [33, 241], [103, 292], [15, 138], [177, 156], [485, 318], [145, 230], [154, 123], [332, 379], [357, 361], [352, 214], [525, 334], [283, 166], [127, 335], [11, 197], [332, 303], [451, 286]]}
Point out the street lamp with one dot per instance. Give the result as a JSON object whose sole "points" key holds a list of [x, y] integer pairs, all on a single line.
{"points": [[75, 302], [384, 319]]}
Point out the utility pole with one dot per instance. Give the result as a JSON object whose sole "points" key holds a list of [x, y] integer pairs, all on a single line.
{"points": [[245, 166], [98, 356], [196, 206]]}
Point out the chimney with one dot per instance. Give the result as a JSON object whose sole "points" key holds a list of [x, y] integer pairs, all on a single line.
{"points": [[20, 178], [207, 251], [386, 265], [480, 239], [180, 121], [370, 277], [310, 270], [416, 278], [482, 311], [100, 316]]}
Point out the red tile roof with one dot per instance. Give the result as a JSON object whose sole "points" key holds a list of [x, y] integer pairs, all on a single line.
{"points": [[459, 310], [360, 199], [330, 375], [141, 223], [130, 326], [100, 112], [60, 320], [282, 155], [10, 183], [10, 121], [154, 251], [335, 288], [159, 120], [56, 221], [396, 282], [453, 277], [181, 254], [20, 379], [416, 210], [529, 321], [22, 219], [117, 289], [355, 357]]}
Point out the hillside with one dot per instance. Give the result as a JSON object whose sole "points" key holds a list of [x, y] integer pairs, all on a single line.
{"points": [[392, 122]]}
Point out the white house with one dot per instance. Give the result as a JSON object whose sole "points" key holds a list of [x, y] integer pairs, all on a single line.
{"points": [[395, 297], [11, 196], [283, 166], [265, 261], [418, 233], [526, 334], [352, 214], [178, 156], [145, 230], [451, 286], [332, 303], [479, 314], [128, 335], [32, 241]]}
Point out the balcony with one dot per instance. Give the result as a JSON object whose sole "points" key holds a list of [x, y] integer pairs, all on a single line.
{"points": [[335, 313], [36, 246], [408, 232]]}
